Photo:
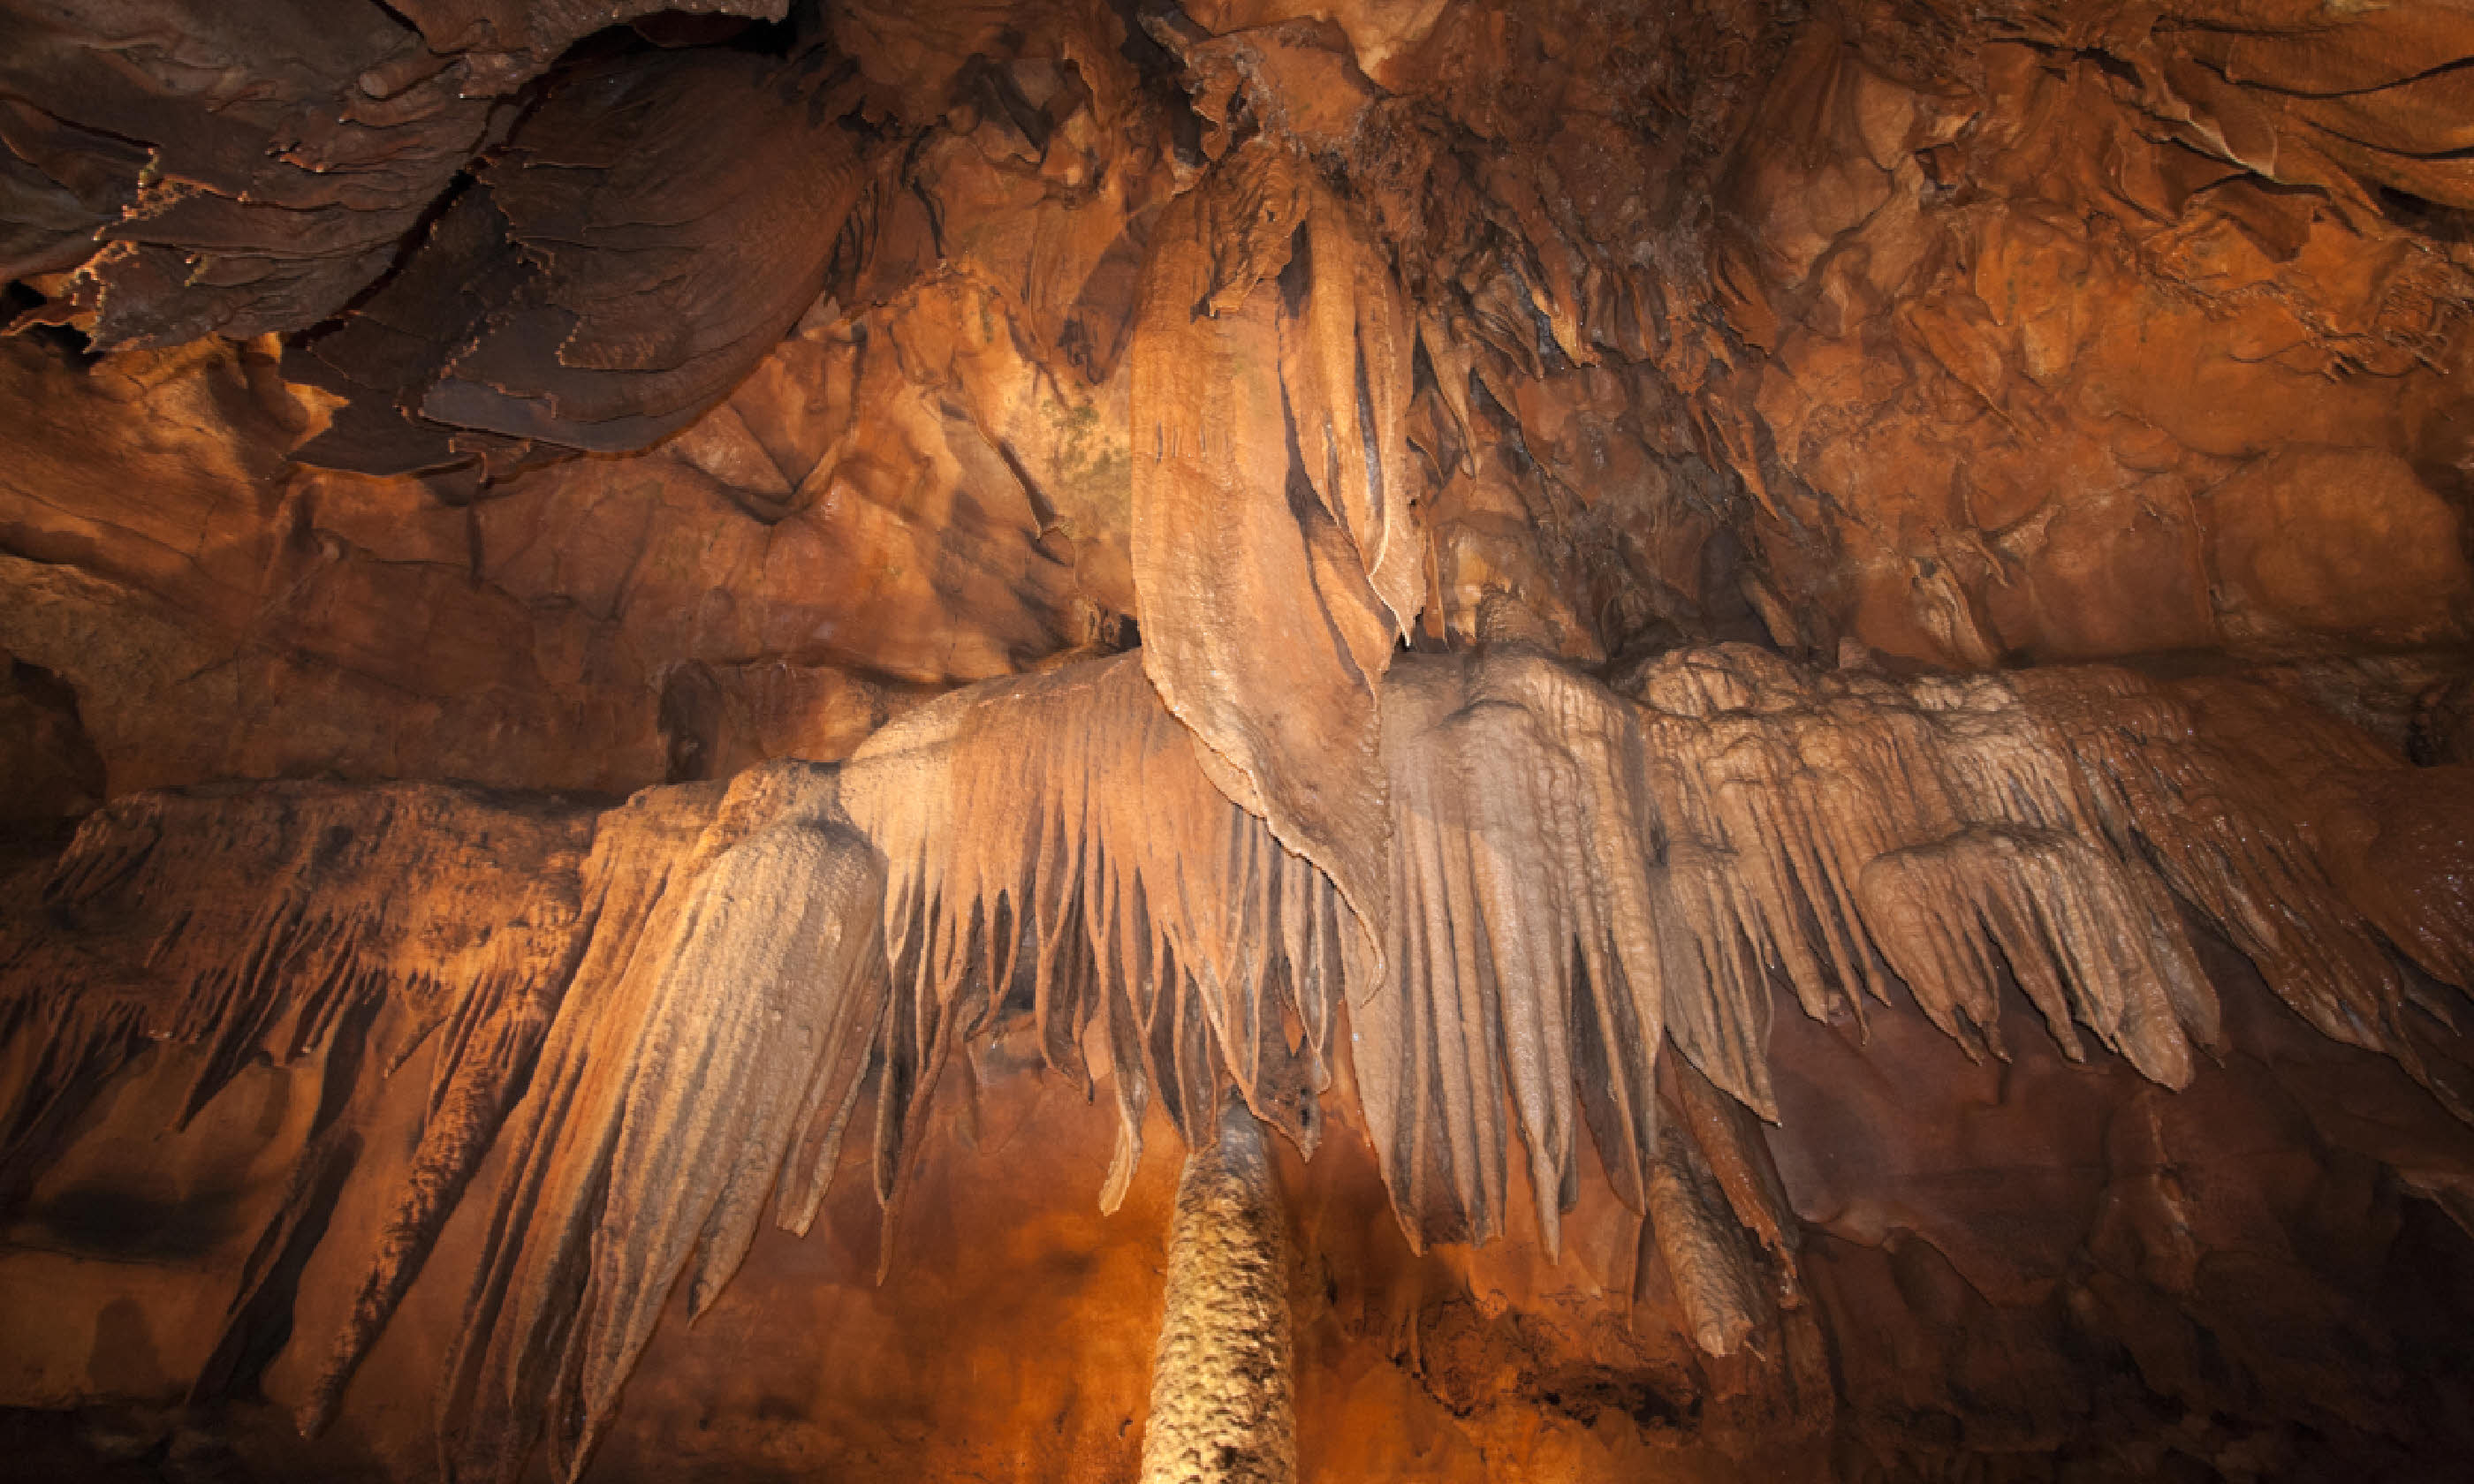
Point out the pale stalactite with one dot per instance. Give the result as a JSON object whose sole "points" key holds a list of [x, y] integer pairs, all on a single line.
{"points": [[1521, 955], [1098, 871], [1714, 1270], [1728, 1140], [2225, 845], [454, 911], [1716, 1222], [142, 881], [735, 1018], [1274, 553], [1222, 1393], [635, 853], [692, 1008], [1841, 828], [2033, 822], [1347, 339]]}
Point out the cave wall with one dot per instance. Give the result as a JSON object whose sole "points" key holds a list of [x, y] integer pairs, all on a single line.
{"points": [[2047, 1270], [282, 1048], [573, 399]]}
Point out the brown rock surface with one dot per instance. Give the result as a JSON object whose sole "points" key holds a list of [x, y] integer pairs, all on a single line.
{"points": [[635, 1022], [1915, 555], [1995, 1259]]}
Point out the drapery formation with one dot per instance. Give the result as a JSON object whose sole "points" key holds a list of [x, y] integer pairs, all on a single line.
{"points": [[1157, 934], [671, 1009], [1277, 562], [922, 343]]}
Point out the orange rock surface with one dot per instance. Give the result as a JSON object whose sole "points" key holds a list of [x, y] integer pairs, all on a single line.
{"points": [[1790, 684]]}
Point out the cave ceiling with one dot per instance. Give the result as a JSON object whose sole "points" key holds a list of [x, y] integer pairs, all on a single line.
{"points": [[1561, 598], [474, 378]]}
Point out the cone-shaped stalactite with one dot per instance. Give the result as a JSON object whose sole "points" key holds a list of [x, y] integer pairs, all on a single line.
{"points": [[687, 1072]]}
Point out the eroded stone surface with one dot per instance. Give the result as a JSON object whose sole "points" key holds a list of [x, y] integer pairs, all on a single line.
{"points": [[1617, 504]]}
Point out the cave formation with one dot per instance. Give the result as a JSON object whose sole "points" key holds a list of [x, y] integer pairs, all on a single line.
{"points": [[1091, 740]]}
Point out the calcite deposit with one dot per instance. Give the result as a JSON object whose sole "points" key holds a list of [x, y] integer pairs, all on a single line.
{"points": [[1775, 698]]}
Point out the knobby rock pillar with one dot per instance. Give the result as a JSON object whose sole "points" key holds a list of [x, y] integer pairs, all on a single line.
{"points": [[1220, 1393]]}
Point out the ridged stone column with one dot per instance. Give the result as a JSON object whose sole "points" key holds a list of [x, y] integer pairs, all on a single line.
{"points": [[1220, 1406]]}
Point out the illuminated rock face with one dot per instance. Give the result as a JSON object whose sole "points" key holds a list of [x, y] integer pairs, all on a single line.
{"points": [[1786, 686], [1220, 1403]]}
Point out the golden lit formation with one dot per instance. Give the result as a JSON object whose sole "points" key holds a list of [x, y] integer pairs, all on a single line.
{"points": [[1209, 740]]}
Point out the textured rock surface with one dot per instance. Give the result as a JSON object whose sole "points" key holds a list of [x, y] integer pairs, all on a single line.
{"points": [[1222, 1406], [1837, 633], [2054, 334], [642, 1025]]}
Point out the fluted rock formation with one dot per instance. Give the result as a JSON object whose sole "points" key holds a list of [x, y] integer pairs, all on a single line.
{"points": [[686, 1017], [1422, 568]]}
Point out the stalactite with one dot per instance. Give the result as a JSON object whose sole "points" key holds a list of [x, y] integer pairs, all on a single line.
{"points": [[1839, 830], [681, 1023], [1716, 1221], [635, 852], [159, 945], [1521, 956], [1713, 1267], [1814, 822], [2225, 848], [663, 1110], [1102, 875], [1273, 536], [1955, 828], [1345, 342], [1730, 1141]]}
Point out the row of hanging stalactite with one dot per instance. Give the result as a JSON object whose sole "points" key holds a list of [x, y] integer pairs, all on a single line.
{"points": [[671, 1011]]}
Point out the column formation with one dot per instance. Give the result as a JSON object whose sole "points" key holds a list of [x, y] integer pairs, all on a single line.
{"points": [[1220, 1402]]}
